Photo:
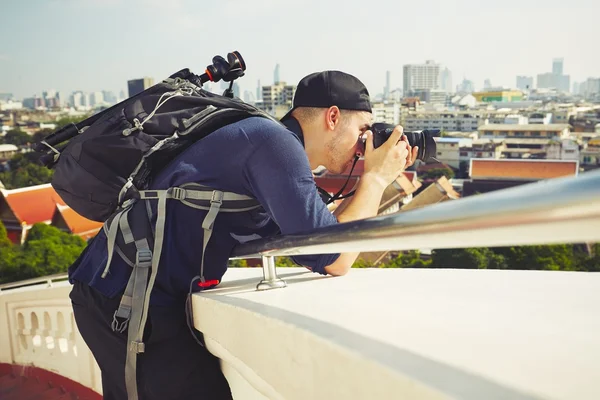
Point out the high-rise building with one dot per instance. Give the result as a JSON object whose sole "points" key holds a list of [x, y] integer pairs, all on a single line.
{"points": [[466, 86], [555, 79], [525, 82], [136, 86], [446, 81], [109, 97], [487, 84], [386, 89], [258, 91], [557, 66], [97, 99], [421, 76], [276, 78]]}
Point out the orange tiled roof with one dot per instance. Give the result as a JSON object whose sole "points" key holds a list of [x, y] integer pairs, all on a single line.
{"points": [[33, 204], [521, 169], [77, 224]]}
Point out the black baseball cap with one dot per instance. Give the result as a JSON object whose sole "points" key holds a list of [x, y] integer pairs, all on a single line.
{"points": [[331, 88]]}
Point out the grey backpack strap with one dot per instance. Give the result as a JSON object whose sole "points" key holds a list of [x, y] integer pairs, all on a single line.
{"points": [[132, 313], [209, 221]]}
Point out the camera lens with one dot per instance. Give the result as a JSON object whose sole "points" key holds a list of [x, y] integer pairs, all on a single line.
{"points": [[425, 141]]}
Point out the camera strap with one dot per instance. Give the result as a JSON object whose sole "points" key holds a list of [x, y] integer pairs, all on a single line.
{"points": [[338, 196]]}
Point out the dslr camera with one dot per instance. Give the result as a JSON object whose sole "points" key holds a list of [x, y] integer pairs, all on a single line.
{"points": [[423, 139]]}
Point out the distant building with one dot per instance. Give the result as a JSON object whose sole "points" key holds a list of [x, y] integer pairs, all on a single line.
{"points": [[136, 86], [431, 96], [446, 81], [386, 89], [488, 174], [555, 79], [557, 66], [529, 131], [525, 83], [448, 150], [7, 151], [499, 96], [590, 154], [277, 99], [388, 112], [466, 86], [538, 117], [276, 77], [421, 76]]}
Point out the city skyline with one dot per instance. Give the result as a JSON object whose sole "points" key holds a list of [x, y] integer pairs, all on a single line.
{"points": [[61, 48]]}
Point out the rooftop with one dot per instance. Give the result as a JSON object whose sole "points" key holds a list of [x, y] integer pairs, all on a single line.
{"points": [[482, 168], [437, 338], [524, 127], [33, 204]]}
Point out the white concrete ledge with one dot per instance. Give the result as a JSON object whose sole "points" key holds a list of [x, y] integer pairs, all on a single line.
{"points": [[411, 334]]}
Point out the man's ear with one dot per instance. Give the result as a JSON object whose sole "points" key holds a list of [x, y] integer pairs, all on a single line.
{"points": [[332, 117]]}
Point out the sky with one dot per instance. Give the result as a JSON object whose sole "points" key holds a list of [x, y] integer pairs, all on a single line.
{"points": [[94, 45]]}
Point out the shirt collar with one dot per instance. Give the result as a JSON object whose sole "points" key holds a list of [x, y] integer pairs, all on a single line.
{"points": [[294, 126]]}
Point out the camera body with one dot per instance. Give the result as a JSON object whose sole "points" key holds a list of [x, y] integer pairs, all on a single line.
{"points": [[423, 139]]}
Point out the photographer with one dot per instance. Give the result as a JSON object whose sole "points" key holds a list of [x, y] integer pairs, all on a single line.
{"points": [[255, 157]]}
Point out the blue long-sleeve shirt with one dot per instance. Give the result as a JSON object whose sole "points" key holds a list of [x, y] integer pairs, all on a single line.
{"points": [[254, 157]]}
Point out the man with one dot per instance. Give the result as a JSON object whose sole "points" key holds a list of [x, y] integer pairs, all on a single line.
{"points": [[255, 157]]}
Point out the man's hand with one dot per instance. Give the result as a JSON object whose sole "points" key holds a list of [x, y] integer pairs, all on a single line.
{"points": [[388, 161], [412, 153]]}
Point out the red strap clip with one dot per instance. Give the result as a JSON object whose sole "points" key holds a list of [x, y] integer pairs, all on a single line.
{"points": [[205, 284]]}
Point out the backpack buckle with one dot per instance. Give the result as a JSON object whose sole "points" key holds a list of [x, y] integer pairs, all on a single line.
{"points": [[217, 197], [178, 193], [143, 258]]}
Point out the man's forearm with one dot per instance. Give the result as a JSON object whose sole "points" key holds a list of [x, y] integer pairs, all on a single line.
{"points": [[364, 204]]}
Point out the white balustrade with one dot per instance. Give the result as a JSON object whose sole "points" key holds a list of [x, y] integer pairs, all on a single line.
{"points": [[38, 329]]}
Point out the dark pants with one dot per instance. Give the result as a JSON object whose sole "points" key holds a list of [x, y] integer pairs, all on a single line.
{"points": [[174, 366]]}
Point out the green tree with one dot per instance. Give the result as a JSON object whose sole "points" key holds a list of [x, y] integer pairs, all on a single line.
{"points": [[362, 263], [409, 259], [237, 264], [542, 257], [17, 137], [46, 251], [285, 262], [69, 120], [472, 258], [7, 256], [590, 263], [23, 172], [436, 173], [41, 134]]}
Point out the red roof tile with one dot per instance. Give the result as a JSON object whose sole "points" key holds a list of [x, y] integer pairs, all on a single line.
{"points": [[77, 224], [33, 204]]}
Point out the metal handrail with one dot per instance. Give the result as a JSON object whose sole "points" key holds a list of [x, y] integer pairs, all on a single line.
{"points": [[542, 204], [552, 211]]}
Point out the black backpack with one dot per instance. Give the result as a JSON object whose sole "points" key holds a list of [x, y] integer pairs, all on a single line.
{"points": [[112, 155]]}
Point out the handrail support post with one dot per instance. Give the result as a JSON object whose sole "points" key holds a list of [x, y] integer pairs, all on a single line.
{"points": [[271, 280]]}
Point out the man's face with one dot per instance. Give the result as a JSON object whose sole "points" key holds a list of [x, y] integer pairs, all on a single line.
{"points": [[346, 143]]}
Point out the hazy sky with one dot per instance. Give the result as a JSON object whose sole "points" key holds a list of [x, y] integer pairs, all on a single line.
{"points": [[95, 45]]}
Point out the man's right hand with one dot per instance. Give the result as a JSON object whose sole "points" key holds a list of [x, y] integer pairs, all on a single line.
{"points": [[389, 160]]}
